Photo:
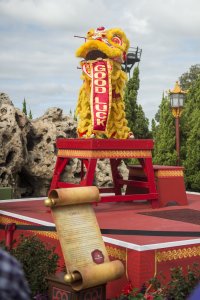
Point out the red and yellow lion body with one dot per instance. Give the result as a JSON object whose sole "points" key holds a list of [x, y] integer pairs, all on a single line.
{"points": [[100, 108]]}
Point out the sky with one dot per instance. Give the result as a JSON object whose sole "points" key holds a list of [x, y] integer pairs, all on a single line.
{"points": [[37, 47]]}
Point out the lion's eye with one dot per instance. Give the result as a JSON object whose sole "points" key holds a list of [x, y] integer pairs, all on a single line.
{"points": [[117, 40]]}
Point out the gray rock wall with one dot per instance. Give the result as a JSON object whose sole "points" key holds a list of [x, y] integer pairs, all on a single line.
{"points": [[28, 147], [28, 151]]}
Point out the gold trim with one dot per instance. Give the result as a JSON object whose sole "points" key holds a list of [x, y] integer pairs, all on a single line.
{"points": [[104, 153], [164, 256], [155, 272], [157, 173], [7, 220], [177, 112], [169, 173], [49, 234], [116, 253], [177, 89], [127, 276]]}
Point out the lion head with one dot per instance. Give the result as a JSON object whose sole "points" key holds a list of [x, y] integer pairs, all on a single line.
{"points": [[104, 43]]}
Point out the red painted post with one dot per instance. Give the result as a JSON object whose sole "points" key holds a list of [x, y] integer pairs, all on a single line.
{"points": [[178, 140], [9, 232]]}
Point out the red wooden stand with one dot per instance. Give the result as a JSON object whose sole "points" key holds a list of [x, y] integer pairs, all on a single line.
{"points": [[169, 182], [89, 150], [59, 290]]}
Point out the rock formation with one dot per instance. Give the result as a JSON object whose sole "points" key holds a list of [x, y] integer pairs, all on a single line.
{"points": [[28, 151], [14, 127], [41, 147], [28, 147]]}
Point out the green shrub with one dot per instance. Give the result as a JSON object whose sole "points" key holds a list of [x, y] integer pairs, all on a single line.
{"points": [[179, 287], [181, 283], [38, 260]]}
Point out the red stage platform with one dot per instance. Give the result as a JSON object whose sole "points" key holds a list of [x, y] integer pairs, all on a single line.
{"points": [[143, 256]]}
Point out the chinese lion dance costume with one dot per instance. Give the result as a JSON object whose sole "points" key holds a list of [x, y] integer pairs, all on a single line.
{"points": [[100, 108]]}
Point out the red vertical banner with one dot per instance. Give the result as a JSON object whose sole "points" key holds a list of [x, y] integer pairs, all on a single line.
{"points": [[101, 94]]}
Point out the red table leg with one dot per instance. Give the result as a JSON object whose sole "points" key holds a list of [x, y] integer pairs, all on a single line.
{"points": [[90, 165], [148, 169], [60, 165], [114, 163]]}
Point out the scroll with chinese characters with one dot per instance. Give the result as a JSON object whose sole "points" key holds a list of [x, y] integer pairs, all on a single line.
{"points": [[84, 252]]}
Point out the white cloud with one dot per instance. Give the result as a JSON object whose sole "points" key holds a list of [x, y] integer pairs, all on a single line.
{"points": [[37, 53]]}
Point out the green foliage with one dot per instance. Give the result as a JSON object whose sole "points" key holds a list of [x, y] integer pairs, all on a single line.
{"points": [[137, 121], [132, 297], [38, 261], [153, 127], [30, 115], [179, 286], [75, 117], [24, 109], [164, 136], [192, 161], [163, 130], [187, 79], [190, 137], [141, 124]]}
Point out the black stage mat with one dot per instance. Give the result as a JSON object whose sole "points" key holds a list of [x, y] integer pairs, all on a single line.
{"points": [[182, 215]]}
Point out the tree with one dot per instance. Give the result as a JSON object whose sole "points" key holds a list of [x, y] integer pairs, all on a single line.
{"points": [[75, 117], [191, 81], [153, 127], [192, 162], [137, 121], [191, 125], [164, 132], [30, 115], [189, 77], [164, 136], [24, 107], [141, 129]]}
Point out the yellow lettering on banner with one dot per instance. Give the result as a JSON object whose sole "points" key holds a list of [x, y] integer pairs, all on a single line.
{"points": [[100, 82], [99, 75], [101, 122], [100, 90], [99, 68], [101, 115], [103, 107]]}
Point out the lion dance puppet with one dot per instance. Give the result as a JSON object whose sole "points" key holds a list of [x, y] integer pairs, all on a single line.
{"points": [[100, 108]]}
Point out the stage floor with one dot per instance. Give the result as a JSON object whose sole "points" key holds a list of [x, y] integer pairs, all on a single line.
{"points": [[143, 256], [132, 215]]}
